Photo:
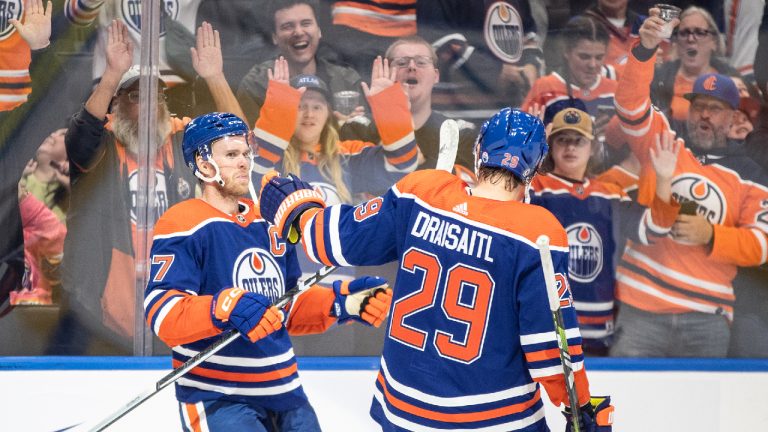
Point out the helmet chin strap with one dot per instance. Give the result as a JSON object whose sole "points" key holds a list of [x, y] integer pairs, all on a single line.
{"points": [[216, 178]]}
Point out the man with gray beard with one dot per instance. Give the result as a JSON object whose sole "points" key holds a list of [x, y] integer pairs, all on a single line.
{"points": [[98, 266]]}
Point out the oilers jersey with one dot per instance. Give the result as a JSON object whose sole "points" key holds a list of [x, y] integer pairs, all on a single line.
{"points": [[596, 216], [553, 87], [15, 56], [470, 335], [197, 251], [668, 276]]}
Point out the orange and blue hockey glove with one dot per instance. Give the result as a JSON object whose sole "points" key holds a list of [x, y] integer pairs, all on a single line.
{"points": [[249, 313], [284, 199], [595, 416], [366, 299]]}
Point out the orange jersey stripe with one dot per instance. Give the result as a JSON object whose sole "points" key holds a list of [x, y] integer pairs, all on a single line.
{"points": [[242, 377], [549, 354], [404, 158], [320, 241], [194, 416], [456, 417]]}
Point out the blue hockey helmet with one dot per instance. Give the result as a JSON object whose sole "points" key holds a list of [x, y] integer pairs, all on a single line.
{"points": [[207, 128], [513, 140]]}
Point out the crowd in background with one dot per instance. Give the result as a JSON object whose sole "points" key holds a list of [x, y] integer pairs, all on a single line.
{"points": [[381, 70]]}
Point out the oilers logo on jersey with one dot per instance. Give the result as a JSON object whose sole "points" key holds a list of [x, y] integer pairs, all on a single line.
{"points": [[161, 194], [257, 271], [328, 191], [707, 195], [585, 246], [504, 32], [9, 10], [131, 10]]}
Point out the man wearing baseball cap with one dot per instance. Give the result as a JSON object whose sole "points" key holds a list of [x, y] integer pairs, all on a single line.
{"points": [[675, 292]]}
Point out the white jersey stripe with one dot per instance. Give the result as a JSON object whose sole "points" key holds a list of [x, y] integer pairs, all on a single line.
{"points": [[415, 427], [163, 312], [674, 274], [333, 231], [550, 336], [457, 401], [593, 306], [240, 391], [239, 361]]}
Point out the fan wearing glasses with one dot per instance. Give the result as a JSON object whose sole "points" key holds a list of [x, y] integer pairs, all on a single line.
{"points": [[699, 48]]}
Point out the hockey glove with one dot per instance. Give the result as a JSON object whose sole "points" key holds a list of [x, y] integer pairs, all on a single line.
{"points": [[596, 416], [249, 313], [366, 299], [284, 199]]}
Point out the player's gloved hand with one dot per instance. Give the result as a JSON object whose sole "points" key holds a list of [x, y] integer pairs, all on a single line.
{"points": [[250, 313], [284, 199], [366, 299], [595, 416]]}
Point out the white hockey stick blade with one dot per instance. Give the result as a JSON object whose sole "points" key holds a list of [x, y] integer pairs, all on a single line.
{"points": [[449, 145], [549, 272]]}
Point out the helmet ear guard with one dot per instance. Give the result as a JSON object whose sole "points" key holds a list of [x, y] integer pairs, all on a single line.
{"points": [[513, 140]]}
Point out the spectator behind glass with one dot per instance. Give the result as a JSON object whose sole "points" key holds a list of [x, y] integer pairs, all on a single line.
{"points": [[585, 45], [85, 12], [597, 216], [36, 33], [98, 267], [698, 45], [46, 179], [488, 52], [297, 35], [676, 293], [415, 61], [622, 25]]}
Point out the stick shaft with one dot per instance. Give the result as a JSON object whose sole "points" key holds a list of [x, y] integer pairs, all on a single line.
{"points": [[227, 338], [557, 318], [449, 144]]}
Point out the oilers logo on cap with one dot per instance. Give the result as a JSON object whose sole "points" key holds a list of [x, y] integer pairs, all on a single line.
{"points": [[585, 252], [710, 199], [257, 271], [9, 9], [572, 117]]}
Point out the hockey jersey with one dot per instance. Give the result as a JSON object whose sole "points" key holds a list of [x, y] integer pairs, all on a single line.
{"points": [[197, 251], [471, 335], [729, 190], [553, 87], [388, 18], [596, 216], [367, 168], [15, 56], [84, 12]]}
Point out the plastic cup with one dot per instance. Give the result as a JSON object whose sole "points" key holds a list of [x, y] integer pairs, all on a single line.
{"points": [[667, 13], [346, 101]]}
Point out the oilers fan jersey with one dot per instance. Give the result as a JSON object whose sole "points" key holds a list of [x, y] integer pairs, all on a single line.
{"points": [[669, 276], [554, 87], [595, 216], [470, 335], [197, 251]]}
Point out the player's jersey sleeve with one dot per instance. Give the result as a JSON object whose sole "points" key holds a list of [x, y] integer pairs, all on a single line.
{"points": [[310, 312], [537, 330], [172, 307], [344, 235], [275, 126], [747, 243]]}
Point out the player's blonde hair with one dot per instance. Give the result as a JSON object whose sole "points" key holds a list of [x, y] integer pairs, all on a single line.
{"points": [[328, 160]]}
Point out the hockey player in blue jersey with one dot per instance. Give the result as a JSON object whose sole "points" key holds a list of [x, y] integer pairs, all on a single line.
{"points": [[470, 337], [217, 265]]}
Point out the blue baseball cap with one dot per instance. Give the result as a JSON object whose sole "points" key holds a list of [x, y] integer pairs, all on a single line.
{"points": [[311, 82], [717, 86]]}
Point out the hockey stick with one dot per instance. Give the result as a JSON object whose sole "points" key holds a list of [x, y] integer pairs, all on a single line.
{"points": [[557, 317], [449, 144], [228, 337]]}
